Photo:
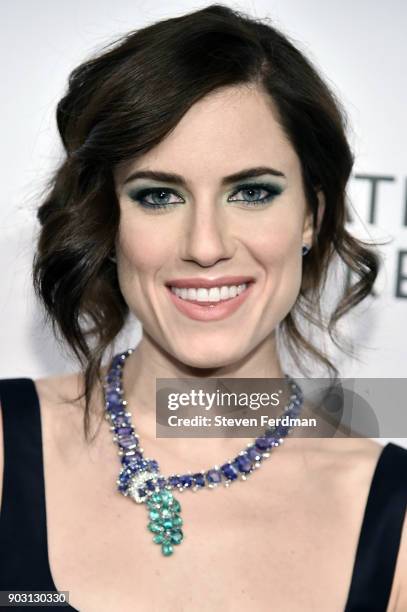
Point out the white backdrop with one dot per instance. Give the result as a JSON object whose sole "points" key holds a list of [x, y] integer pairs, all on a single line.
{"points": [[360, 49]]}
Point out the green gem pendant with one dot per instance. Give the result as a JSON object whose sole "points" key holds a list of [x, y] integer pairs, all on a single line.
{"points": [[165, 521]]}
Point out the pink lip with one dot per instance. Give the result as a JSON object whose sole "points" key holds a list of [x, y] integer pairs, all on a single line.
{"points": [[207, 283], [210, 311]]}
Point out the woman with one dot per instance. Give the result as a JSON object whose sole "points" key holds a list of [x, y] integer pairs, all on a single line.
{"points": [[203, 191]]}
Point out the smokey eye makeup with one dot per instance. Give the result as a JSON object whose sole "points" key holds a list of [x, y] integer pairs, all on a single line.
{"points": [[155, 197], [255, 194]]}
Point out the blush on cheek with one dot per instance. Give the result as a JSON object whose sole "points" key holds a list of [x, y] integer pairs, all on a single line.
{"points": [[276, 247], [143, 251], [279, 253]]}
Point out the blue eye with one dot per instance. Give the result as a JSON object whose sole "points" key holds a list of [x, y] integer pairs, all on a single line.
{"points": [[159, 198], [253, 191], [155, 198]]}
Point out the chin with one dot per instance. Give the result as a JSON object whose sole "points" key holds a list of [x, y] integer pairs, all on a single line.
{"points": [[208, 357]]}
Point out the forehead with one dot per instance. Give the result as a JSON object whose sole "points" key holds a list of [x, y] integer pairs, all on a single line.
{"points": [[229, 129]]}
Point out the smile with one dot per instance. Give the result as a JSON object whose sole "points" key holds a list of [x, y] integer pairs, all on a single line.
{"points": [[214, 294], [209, 303]]}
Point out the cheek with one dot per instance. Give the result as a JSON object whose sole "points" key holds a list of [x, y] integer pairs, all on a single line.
{"points": [[277, 249], [278, 243], [141, 247]]}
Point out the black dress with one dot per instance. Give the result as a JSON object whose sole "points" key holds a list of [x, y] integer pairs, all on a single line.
{"points": [[24, 563]]}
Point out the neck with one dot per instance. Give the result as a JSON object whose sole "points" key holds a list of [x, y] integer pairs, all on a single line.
{"points": [[148, 362]]}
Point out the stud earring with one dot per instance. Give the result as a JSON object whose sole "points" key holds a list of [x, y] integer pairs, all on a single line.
{"points": [[305, 249]]}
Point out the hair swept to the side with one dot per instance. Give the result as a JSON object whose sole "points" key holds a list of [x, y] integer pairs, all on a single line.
{"points": [[124, 101]]}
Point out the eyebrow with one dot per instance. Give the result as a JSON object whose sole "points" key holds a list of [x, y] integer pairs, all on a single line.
{"points": [[176, 179]]}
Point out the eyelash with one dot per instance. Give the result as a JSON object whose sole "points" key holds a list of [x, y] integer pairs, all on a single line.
{"points": [[140, 195]]}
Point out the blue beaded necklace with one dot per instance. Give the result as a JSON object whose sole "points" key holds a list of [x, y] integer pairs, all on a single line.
{"points": [[140, 477]]}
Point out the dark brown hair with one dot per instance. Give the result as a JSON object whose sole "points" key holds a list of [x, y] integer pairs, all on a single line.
{"points": [[122, 103]]}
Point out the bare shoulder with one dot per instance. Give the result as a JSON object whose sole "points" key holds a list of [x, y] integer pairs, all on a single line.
{"points": [[400, 575], [358, 459], [350, 464], [62, 407], [345, 469], [60, 396], [61, 411], [59, 388], [401, 571], [353, 458], [62, 390], [340, 470]]}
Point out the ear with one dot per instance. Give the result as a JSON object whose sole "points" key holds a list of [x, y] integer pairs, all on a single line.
{"points": [[308, 229]]}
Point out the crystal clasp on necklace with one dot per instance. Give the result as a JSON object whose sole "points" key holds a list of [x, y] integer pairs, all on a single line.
{"points": [[135, 487]]}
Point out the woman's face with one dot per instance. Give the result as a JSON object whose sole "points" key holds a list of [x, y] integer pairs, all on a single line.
{"points": [[198, 227]]}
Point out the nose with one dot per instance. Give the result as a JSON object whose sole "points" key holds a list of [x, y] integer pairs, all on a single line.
{"points": [[206, 236]]}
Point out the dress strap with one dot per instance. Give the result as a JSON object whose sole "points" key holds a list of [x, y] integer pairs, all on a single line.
{"points": [[23, 526], [380, 535]]}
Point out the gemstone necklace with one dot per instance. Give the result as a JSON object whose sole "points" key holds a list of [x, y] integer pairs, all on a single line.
{"points": [[141, 479]]}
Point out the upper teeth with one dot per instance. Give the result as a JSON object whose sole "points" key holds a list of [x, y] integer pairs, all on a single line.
{"points": [[214, 294]]}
